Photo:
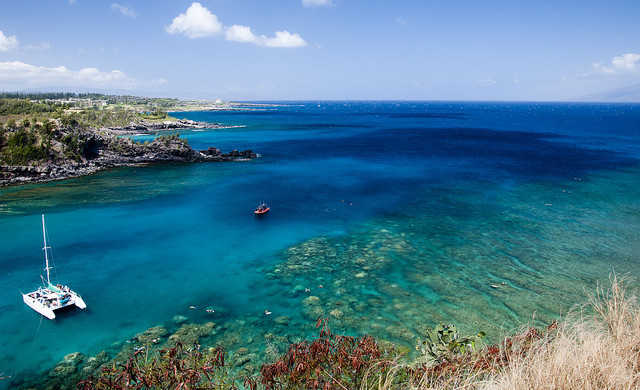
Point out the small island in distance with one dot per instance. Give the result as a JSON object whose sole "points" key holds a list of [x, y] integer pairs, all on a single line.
{"points": [[52, 136]]}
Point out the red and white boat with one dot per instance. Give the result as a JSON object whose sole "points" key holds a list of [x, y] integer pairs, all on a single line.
{"points": [[262, 209]]}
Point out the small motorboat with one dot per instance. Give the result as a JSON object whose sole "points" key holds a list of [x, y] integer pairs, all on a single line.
{"points": [[262, 209]]}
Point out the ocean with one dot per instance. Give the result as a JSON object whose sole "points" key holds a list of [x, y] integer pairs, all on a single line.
{"points": [[386, 217]]}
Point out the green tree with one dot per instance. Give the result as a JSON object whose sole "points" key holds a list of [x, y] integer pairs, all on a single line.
{"points": [[48, 127], [22, 148]]}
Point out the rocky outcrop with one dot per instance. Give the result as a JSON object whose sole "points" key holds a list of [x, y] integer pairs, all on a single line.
{"points": [[67, 366], [95, 152], [152, 127], [167, 149]]}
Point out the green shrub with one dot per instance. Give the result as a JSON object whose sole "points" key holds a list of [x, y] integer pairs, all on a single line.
{"points": [[167, 139], [22, 147], [444, 341], [74, 146]]}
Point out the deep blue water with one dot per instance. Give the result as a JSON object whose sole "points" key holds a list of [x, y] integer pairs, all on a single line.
{"points": [[448, 199]]}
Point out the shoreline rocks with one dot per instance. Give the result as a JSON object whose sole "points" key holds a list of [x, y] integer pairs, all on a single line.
{"points": [[105, 150], [152, 127]]}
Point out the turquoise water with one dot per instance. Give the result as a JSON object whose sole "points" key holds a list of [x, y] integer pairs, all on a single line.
{"points": [[406, 213]]}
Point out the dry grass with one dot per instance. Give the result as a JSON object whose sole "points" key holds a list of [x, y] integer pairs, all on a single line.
{"points": [[597, 346], [598, 350]]}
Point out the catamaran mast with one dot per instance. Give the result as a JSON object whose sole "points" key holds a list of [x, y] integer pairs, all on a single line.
{"points": [[46, 257]]}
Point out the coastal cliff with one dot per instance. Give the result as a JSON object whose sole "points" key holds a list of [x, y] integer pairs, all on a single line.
{"points": [[51, 153]]}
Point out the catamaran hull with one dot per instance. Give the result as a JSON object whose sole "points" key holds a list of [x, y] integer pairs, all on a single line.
{"points": [[79, 302], [35, 305], [47, 311]]}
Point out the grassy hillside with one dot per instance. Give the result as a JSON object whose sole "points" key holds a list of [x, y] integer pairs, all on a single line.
{"points": [[54, 130]]}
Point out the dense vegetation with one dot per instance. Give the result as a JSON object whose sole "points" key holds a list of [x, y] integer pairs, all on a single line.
{"points": [[92, 118], [27, 107], [22, 146], [44, 127]]}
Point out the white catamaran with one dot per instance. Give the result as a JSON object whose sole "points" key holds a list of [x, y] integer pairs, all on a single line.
{"points": [[48, 298]]}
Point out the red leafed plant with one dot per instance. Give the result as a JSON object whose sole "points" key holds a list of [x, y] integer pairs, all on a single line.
{"points": [[328, 362], [168, 368]]}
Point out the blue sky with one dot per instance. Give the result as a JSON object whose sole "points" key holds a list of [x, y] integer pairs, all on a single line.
{"points": [[322, 49]]}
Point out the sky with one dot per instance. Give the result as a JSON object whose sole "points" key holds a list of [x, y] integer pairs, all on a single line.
{"points": [[250, 50]]}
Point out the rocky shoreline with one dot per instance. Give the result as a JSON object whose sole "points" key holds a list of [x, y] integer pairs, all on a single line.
{"points": [[145, 127], [18, 174], [104, 149]]}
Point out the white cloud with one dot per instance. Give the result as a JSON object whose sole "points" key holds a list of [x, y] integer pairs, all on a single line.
{"points": [[197, 22], [17, 74], [8, 43], [626, 64], [241, 34], [125, 9], [285, 39], [316, 3], [485, 82], [629, 62]]}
